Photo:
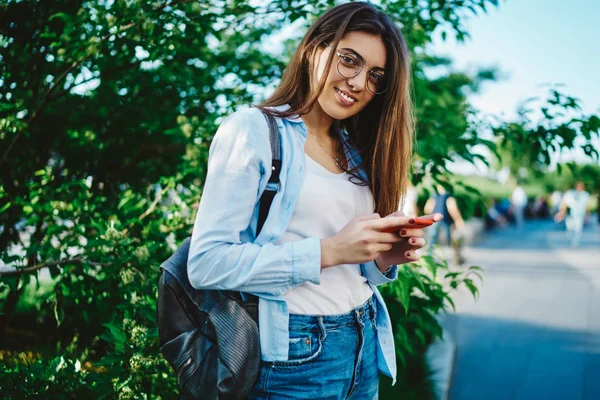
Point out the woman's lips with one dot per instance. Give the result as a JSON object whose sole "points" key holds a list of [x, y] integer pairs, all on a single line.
{"points": [[342, 99]]}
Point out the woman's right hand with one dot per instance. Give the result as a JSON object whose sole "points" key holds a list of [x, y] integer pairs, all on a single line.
{"points": [[361, 240]]}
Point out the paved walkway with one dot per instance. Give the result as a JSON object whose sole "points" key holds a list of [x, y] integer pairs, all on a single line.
{"points": [[534, 333]]}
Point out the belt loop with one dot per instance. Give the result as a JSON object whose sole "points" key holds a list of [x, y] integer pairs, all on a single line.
{"points": [[322, 326], [360, 313], [374, 309]]}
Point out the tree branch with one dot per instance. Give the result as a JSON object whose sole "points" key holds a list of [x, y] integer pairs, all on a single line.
{"points": [[34, 268], [154, 203]]}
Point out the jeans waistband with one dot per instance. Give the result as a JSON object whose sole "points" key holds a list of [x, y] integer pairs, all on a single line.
{"points": [[364, 312]]}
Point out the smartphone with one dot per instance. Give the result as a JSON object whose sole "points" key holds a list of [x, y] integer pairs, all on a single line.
{"points": [[420, 222]]}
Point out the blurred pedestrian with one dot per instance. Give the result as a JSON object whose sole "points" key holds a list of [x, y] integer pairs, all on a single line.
{"points": [[493, 218], [573, 209], [518, 200], [541, 209], [555, 200], [444, 203]]}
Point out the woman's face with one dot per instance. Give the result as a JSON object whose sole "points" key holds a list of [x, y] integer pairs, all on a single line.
{"points": [[344, 97]]}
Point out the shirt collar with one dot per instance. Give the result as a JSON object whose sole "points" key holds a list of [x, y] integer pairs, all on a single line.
{"points": [[291, 118], [351, 153]]}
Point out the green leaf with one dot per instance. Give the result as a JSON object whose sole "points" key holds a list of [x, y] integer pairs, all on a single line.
{"points": [[472, 288], [116, 332], [449, 300], [452, 275], [403, 291], [5, 207]]}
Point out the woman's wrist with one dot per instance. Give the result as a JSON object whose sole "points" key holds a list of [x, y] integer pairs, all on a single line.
{"points": [[383, 266], [328, 254]]}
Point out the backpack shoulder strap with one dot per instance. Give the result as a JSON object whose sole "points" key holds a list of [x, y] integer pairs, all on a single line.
{"points": [[266, 199]]}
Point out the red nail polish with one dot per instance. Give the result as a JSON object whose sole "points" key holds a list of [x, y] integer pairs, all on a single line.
{"points": [[411, 221], [407, 254], [403, 232]]}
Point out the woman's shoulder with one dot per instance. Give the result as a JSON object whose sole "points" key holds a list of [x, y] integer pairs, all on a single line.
{"points": [[247, 117], [247, 122], [245, 128]]}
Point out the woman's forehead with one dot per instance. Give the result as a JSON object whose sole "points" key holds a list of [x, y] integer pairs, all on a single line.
{"points": [[370, 47]]}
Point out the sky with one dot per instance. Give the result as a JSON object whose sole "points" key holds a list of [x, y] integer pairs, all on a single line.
{"points": [[532, 43]]}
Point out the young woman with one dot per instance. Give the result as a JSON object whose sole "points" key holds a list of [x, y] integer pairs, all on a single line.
{"points": [[344, 115]]}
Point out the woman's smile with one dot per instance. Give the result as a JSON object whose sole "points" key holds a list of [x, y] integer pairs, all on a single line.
{"points": [[344, 97]]}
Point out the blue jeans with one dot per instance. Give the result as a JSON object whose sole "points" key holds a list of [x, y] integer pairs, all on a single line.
{"points": [[330, 357], [574, 227]]}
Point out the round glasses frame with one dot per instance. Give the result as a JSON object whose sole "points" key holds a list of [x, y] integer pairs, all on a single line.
{"points": [[358, 70]]}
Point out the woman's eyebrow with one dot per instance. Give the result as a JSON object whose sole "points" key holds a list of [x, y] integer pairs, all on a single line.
{"points": [[361, 57]]}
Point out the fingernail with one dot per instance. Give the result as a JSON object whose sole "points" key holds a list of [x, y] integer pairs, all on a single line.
{"points": [[412, 241], [411, 221], [403, 232], [407, 254]]}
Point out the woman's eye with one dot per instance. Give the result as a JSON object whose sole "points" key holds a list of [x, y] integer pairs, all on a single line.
{"points": [[375, 77], [348, 60]]}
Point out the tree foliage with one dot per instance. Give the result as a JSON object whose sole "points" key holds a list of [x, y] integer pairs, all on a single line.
{"points": [[534, 144]]}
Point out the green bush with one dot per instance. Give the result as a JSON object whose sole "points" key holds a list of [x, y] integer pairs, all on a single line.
{"points": [[422, 292], [98, 317]]}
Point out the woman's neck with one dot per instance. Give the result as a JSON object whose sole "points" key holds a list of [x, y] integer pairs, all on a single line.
{"points": [[318, 122]]}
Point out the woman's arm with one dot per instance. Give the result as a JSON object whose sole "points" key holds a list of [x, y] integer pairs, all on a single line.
{"points": [[455, 212], [218, 259], [428, 209]]}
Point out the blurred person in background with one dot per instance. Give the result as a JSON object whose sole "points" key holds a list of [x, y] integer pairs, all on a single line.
{"points": [[518, 200], [493, 217], [504, 207], [444, 203], [555, 199], [540, 208], [573, 209]]}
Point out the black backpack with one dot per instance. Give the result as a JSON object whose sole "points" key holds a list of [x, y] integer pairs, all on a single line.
{"points": [[210, 337]]}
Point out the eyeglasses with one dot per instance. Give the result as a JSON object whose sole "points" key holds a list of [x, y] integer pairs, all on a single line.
{"points": [[350, 65]]}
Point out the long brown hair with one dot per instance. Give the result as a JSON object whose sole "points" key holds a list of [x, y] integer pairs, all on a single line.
{"points": [[383, 131]]}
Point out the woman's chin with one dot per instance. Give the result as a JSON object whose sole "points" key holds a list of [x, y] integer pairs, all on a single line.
{"points": [[337, 111]]}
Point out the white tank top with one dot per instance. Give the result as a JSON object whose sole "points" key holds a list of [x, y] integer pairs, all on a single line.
{"points": [[326, 203]]}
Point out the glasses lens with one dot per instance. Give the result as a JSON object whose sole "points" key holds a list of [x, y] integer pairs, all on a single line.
{"points": [[376, 82], [349, 65]]}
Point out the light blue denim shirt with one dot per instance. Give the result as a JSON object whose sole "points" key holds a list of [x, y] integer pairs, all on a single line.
{"points": [[225, 252]]}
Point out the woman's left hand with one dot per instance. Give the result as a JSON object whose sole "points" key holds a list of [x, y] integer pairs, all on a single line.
{"points": [[405, 250]]}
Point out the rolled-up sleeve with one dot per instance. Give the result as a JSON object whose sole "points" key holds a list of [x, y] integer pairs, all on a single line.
{"points": [[375, 276], [218, 259]]}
